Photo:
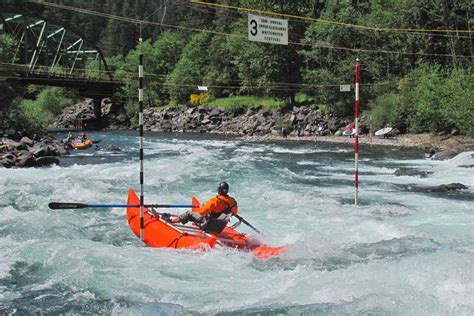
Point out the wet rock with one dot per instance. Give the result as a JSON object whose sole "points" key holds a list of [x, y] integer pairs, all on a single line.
{"points": [[113, 147], [40, 150], [13, 145], [61, 151], [25, 158], [47, 161], [445, 154], [432, 152], [448, 187], [412, 172], [26, 152], [7, 160]]}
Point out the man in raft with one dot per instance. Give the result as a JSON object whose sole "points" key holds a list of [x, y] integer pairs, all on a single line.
{"points": [[213, 216]]}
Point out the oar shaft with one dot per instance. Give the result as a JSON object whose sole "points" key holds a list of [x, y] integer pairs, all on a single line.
{"points": [[68, 205], [247, 223], [145, 205]]}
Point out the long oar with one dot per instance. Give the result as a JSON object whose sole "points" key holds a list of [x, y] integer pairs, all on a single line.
{"points": [[246, 223], [63, 205]]}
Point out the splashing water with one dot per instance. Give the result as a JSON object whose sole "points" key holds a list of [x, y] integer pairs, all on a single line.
{"points": [[402, 251]]}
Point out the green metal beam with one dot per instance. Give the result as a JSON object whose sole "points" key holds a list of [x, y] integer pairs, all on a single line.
{"points": [[44, 47]]}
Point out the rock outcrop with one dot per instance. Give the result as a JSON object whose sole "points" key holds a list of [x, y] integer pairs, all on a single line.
{"points": [[242, 121], [30, 152], [447, 187], [80, 115], [412, 172]]}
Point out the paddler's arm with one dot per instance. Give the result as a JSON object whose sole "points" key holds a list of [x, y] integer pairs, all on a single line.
{"points": [[235, 209], [207, 207]]}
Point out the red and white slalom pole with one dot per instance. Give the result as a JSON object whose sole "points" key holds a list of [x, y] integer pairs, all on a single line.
{"points": [[356, 136]]}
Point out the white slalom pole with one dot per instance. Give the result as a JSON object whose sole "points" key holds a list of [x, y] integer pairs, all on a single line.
{"points": [[356, 138], [140, 122]]}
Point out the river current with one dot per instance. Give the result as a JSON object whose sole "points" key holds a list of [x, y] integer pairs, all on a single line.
{"points": [[402, 251]]}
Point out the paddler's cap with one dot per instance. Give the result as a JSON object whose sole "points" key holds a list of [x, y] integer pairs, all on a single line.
{"points": [[223, 188]]}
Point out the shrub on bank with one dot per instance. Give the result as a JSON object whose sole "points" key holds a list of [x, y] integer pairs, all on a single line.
{"points": [[429, 100], [247, 101], [43, 110]]}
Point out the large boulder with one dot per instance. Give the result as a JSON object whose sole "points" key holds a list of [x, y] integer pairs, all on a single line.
{"points": [[47, 161], [26, 140], [411, 172], [40, 150], [82, 114], [13, 145], [113, 147], [7, 160], [24, 158], [448, 187]]}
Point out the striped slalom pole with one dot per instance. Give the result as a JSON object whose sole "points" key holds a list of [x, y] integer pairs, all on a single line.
{"points": [[356, 137], [140, 122]]}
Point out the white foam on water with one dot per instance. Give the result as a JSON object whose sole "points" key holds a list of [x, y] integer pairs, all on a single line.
{"points": [[303, 150], [399, 252]]}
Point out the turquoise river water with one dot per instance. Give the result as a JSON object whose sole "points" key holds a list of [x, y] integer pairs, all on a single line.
{"points": [[402, 251]]}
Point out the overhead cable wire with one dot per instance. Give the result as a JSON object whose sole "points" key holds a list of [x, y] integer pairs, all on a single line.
{"points": [[278, 87], [138, 21], [195, 7], [208, 11], [150, 77], [343, 24], [130, 20]]}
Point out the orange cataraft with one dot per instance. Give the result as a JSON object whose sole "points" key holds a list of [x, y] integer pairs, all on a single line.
{"points": [[80, 145], [159, 233]]}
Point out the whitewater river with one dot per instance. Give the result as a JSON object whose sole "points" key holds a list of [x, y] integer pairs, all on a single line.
{"points": [[402, 251]]}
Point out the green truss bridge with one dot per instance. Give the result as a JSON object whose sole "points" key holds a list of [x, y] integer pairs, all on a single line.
{"points": [[49, 54]]}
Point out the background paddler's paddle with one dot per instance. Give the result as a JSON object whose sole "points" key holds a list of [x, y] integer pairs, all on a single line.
{"points": [[246, 223], [64, 205]]}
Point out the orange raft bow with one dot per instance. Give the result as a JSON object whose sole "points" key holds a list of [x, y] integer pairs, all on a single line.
{"points": [[159, 233], [81, 145]]}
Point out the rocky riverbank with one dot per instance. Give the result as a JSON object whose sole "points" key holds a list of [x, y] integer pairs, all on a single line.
{"points": [[23, 151], [298, 123], [308, 121]]}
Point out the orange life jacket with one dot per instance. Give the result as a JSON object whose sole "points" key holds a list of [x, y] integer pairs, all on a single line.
{"points": [[219, 204]]}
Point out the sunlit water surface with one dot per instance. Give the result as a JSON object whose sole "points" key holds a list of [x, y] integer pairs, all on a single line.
{"points": [[402, 251]]}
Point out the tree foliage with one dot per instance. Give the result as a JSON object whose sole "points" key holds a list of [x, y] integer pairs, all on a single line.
{"points": [[48, 104], [403, 73], [7, 44], [429, 99]]}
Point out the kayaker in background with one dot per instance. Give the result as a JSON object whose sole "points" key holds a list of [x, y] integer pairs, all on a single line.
{"points": [[82, 137], [213, 215], [69, 136]]}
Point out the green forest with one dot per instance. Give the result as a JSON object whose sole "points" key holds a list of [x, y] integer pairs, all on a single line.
{"points": [[415, 57]]}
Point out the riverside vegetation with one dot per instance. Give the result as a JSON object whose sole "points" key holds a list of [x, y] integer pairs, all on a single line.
{"points": [[414, 81]]}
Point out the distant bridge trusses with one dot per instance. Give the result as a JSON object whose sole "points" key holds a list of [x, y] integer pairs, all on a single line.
{"points": [[49, 49]]}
